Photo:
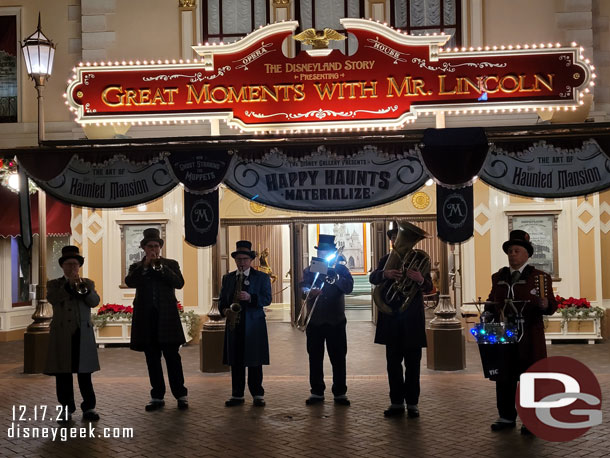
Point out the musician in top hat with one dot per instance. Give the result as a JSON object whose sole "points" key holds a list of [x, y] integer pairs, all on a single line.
{"points": [[72, 348], [327, 322], [246, 343], [532, 292], [404, 335], [156, 328]]}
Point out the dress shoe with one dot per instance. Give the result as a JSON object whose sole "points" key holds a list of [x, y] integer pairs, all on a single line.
{"points": [[412, 411], [183, 404], [342, 401], [90, 415], [499, 425], [525, 431], [232, 402], [154, 404], [259, 402], [314, 399], [394, 411]]}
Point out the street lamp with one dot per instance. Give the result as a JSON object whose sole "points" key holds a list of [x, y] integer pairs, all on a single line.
{"points": [[38, 53]]}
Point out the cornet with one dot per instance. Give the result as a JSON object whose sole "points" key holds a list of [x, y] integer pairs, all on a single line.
{"points": [[80, 286], [156, 264]]}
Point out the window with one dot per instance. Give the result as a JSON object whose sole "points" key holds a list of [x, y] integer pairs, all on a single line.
{"points": [[419, 17], [8, 66], [542, 228], [21, 273], [229, 20], [131, 236]]}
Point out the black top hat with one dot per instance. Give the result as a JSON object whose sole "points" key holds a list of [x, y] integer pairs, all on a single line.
{"points": [[521, 238], [151, 235], [326, 242], [244, 247], [70, 252]]}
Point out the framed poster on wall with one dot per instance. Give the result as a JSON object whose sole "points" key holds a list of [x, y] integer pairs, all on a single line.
{"points": [[352, 237], [131, 236], [542, 228]]}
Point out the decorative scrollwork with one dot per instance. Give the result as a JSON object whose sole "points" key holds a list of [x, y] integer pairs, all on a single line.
{"points": [[321, 114], [194, 78], [447, 67]]}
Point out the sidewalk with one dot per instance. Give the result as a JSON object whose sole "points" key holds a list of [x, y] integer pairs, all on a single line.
{"points": [[456, 409]]}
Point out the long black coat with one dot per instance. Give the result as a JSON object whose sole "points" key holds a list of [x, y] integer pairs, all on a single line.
{"points": [[532, 346], [407, 329], [256, 342], [155, 297], [71, 313]]}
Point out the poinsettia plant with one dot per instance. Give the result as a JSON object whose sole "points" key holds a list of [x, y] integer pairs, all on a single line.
{"points": [[574, 309], [113, 312]]}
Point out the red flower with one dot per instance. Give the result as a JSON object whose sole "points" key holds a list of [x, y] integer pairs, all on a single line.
{"points": [[572, 302]]}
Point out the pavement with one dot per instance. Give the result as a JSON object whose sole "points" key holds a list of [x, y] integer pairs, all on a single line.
{"points": [[456, 409]]}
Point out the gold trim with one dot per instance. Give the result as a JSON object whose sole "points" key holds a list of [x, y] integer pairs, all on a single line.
{"points": [[257, 208], [187, 3], [420, 200]]}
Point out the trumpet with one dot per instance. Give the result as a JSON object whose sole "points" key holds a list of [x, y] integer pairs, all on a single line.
{"points": [[80, 286], [156, 264], [306, 313]]}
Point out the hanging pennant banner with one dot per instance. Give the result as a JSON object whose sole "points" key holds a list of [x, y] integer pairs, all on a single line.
{"points": [[324, 182], [454, 214], [115, 183], [544, 170], [201, 218], [200, 172]]}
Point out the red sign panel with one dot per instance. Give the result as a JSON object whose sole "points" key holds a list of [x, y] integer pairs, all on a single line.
{"points": [[386, 82]]}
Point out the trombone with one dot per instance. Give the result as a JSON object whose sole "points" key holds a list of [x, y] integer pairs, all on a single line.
{"points": [[305, 314]]}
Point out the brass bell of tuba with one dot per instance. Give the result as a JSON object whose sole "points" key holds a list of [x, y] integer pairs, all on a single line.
{"points": [[394, 296], [233, 318]]}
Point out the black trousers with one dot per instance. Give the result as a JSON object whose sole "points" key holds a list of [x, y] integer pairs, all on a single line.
{"points": [[255, 381], [403, 388], [64, 383], [174, 371], [65, 391], [506, 391], [336, 344]]}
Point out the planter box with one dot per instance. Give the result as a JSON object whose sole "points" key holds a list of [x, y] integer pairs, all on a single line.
{"points": [[576, 329], [119, 332]]}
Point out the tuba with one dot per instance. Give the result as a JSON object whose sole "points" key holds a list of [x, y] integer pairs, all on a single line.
{"points": [[395, 296], [233, 319]]}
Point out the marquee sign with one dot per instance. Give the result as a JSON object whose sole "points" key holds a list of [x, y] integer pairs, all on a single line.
{"points": [[390, 78]]}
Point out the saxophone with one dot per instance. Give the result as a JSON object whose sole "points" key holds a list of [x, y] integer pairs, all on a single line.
{"points": [[233, 318]]}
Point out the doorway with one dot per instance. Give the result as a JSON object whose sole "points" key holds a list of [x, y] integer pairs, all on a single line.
{"points": [[287, 246]]}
